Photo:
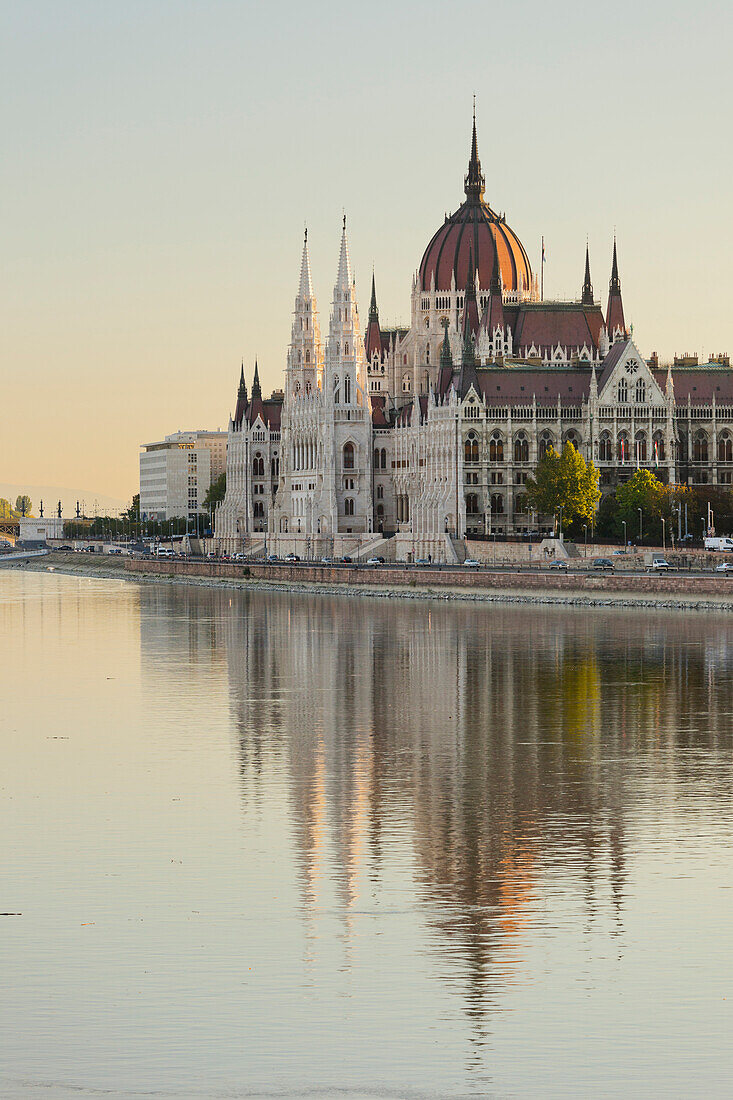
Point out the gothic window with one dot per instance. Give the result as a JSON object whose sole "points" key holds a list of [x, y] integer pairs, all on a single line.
{"points": [[275, 466], [470, 449], [258, 509], [349, 506], [571, 437], [346, 348], [725, 448], [496, 450], [384, 458], [658, 447], [347, 389], [640, 391], [427, 354], [700, 448], [682, 448], [307, 358], [521, 507], [406, 382], [472, 504], [300, 355], [348, 454], [640, 444], [258, 465], [545, 443], [284, 525], [497, 504], [623, 447], [336, 390], [623, 392], [604, 447], [521, 449], [380, 511], [380, 492], [308, 387], [376, 458]]}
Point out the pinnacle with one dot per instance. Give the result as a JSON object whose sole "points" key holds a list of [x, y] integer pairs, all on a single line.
{"points": [[305, 289], [344, 279]]}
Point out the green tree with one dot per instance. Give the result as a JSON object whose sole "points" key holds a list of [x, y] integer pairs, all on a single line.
{"points": [[565, 481], [133, 512], [6, 511], [215, 492], [23, 505], [645, 492]]}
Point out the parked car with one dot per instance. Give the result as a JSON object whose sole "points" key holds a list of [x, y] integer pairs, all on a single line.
{"points": [[423, 561], [724, 567], [346, 560], [292, 557], [272, 558], [602, 563], [375, 561], [471, 563], [326, 561], [88, 549], [561, 565], [618, 553], [66, 547], [115, 550], [658, 565]]}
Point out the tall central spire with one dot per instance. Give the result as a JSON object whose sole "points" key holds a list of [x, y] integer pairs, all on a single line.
{"points": [[474, 181], [305, 290]]}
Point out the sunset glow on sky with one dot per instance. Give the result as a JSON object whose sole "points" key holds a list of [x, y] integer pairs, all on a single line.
{"points": [[161, 160]]}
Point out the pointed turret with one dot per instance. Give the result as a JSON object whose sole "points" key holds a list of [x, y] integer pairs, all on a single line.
{"points": [[474, 181], [494, 312], [615, 323], [344, 279], [241, 407], [373, 338], [587, 299], [470, 330], [445, 374], [305, 290], [256, 388]]}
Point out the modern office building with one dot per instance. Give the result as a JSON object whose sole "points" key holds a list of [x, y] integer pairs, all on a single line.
{"points": [[176, 472]]}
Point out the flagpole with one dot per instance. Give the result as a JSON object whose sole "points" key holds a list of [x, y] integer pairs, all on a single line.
{"points": [[542, 272]]}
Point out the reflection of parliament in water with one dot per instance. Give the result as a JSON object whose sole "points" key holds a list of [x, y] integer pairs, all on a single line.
{"points": [[437, 725]]}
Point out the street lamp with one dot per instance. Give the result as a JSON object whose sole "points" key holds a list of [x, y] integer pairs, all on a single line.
{"points": [[641, 529], [559, 530], [664, 542], [585, 532], [623, 523]]}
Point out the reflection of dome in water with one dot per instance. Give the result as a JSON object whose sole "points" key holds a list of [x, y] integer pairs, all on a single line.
{"points": [[475, 229]]}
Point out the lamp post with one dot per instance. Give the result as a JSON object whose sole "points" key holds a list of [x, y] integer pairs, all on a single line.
{"points": [[641, 527], [623, 524], [559, 528], [664, 537], [585, 532]]}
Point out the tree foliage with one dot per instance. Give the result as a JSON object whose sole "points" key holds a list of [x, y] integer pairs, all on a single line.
{"points": [[215, 492], [565, 480], [23, 505]]}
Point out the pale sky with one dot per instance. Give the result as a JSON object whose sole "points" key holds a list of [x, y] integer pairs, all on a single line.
{"points": [[161, 158]]}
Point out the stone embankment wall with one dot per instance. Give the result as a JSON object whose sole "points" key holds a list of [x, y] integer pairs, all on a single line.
{"points": [[670, 585]]}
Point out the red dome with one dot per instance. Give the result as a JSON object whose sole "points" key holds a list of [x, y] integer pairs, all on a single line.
{"points": [[475, 231]]}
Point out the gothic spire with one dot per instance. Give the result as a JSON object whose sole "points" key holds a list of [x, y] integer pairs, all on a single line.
{"points": [[242, 402], [474, 181], [305, 289], [256, 388], [615, 322], [587, 299], [615, 284], [344, 279], [373, 311], [446, 358]]}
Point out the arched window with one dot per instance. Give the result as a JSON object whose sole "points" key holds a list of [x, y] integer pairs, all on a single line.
{"points": [[347, 390], [725, 448], [622, 448], [376, 458], [346, 348], [658, 447], [521, 449], [284, 525], [640, 446], [307, 357], [496, 449], [406, 385], [349, 506], [308, 386], [521, 507], [545, 443], [258, 465], [380, 492], [300, 354], [700, 448], [571, 437], [380, 511], [472, 504], [497, 504], [348, 454], [605, 450], [470, 449], [623, 392], [258, 509], [336, 390], [275, 466], [640, 391], [384, 458]]}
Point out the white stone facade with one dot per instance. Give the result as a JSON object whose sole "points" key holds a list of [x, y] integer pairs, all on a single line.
{"points": [[428, 433]]}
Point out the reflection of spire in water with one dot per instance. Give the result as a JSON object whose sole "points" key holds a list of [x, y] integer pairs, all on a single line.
{"points": [[500, 766]]}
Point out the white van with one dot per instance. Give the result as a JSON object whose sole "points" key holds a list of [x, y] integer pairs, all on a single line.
{"points": [[165, 552], [724, 544]]}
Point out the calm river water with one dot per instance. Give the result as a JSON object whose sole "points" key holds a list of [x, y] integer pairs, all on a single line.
{"points": [[279, 845]]}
